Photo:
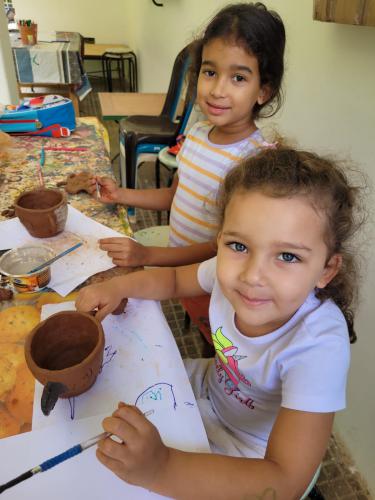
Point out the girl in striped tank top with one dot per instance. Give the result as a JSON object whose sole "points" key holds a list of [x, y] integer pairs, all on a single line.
{"points": [[237, 68]]}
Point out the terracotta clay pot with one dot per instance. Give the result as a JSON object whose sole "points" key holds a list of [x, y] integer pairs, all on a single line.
{"points": [[65, 354], [42, 211]]}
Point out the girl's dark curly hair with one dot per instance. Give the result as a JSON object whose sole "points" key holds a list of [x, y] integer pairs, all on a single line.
{"points": [[261, 33], [286, 172]]}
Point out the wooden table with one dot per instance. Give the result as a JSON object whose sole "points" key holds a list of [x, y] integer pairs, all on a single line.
{"points": [[118, 105], [141, 364], [96, 50], [18, 169], [19, 315]]}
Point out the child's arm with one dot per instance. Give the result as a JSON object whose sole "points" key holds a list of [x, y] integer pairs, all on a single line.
{"points": [[157, 284], [126, 252], [153, 199], [296, 447]]}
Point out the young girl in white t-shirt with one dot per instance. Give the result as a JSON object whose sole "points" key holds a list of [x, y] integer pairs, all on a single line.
{"points": [[282, 290]]}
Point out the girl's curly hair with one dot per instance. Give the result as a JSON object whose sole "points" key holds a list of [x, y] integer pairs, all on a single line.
{"points": [[286, 172]]}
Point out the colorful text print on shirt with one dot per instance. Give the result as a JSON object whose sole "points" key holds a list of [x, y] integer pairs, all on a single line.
{"points": [[156, 396], [228, 358]]}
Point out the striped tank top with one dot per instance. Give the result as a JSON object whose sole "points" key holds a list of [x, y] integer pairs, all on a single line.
{"points": [[202, 167]]}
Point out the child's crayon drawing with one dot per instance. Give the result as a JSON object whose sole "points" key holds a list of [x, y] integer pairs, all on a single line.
{"points": [[159, 395], [72, 404], [109, 354]]}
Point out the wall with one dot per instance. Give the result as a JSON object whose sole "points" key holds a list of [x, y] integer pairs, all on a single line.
{"points": [[111, 21], [8, 82], [108, 21], [162, 32], [329, 107]]}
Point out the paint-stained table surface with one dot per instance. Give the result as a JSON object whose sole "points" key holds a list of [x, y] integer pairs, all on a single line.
{"points": [[18, 172]]}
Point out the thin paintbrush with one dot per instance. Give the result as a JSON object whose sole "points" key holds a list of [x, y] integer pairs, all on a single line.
{"points": [[97, 190], [51, 261], [48, 464], [40, 165], [58, 459]]}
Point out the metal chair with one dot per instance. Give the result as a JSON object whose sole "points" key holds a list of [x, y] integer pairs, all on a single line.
{"points": [[149, 134], [114, 60]]}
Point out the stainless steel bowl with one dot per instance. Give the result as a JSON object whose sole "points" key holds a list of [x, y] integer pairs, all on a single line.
{"points": [[17, 263]]}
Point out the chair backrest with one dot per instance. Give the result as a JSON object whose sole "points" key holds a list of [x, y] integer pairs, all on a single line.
{"points": [[186, 112], [176, 83]]}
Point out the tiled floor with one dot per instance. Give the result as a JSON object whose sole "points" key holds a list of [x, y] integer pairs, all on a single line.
{"points": [[339, 479]]}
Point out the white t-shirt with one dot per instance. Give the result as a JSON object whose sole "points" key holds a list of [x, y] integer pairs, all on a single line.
{"points": [[302, 365]]}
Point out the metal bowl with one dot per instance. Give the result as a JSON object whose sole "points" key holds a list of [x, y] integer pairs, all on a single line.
{"points": [[16, 264]]}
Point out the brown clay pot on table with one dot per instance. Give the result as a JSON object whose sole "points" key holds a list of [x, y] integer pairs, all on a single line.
{"points": [[42, 211], [65, 354]]}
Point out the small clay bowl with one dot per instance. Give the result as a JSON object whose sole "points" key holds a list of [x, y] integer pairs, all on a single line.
{"points": [[65, 354], [42, 211], [16, 264]]}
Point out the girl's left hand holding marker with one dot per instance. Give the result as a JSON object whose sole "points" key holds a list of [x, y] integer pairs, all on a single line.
{"points": [[142, 456], [105, 297]]}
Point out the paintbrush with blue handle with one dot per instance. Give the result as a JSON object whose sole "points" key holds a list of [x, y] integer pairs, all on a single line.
{"points": [[58, 459], [48, 464], [51, 261]]}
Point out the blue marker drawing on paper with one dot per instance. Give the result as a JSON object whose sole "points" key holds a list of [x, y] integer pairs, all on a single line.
{"points": [[159, 395], [72, 404], [109, 354], [139, 338]]}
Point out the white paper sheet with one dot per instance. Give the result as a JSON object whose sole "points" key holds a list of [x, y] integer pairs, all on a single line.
{"points": [[79, 478], [73, 269], [142, 366]]}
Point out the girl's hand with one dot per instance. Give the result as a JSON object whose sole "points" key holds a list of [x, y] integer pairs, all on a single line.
{"points": [[125, 252], [105, 297], [142, 456], [108, 189]]}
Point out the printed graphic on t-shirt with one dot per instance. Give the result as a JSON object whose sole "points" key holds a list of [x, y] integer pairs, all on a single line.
{"points": [[227, 368]]}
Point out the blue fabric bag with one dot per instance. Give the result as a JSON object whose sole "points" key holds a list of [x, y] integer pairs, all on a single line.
{"points": [[49, 115]]}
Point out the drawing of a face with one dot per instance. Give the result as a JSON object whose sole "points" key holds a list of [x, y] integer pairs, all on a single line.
{"points": [[157, 396]]}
